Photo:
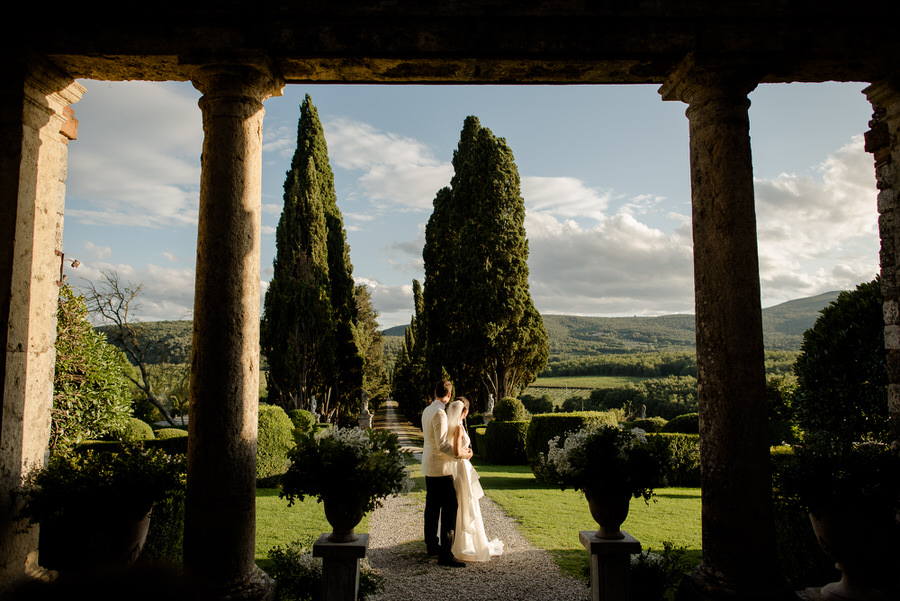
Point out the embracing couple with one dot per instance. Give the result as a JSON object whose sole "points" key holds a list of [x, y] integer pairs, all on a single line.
{"points": [[451, 485]]}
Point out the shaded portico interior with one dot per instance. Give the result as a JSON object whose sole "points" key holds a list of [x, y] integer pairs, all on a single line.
{"points": [[707, 55]]}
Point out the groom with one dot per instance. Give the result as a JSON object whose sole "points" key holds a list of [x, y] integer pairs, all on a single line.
{"points": [[438, 461]]}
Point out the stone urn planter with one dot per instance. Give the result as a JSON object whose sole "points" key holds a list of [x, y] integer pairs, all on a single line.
{"points": [[610, 465], [349, 470], [344, 515], [609, 508]]}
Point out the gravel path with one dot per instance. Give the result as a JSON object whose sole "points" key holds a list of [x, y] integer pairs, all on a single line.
{"points": [[397, 550]]}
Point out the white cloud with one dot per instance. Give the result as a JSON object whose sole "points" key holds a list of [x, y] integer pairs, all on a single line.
{"points": [[564, 196], [168, 293], [393, 303], [618, 267], [819, 234], [97, 252], [398, 173], [139, 166]]}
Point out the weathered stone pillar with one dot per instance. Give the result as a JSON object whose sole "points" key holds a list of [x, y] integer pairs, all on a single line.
{"points": [[33, 155], [220, 520], [738, 532], [883, 141]]}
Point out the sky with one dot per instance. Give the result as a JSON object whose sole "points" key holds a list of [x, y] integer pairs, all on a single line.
{"points": [[604, 174]]}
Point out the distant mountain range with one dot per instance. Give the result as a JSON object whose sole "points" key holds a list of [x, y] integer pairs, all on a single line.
{"points": [[783, 327]]}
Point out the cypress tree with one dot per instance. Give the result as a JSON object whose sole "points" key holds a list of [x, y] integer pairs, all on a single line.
{"points": [[489, 335], [309, 332], [411, 385]]}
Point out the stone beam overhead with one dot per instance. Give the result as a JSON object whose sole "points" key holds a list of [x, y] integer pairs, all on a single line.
{"points": [[464, 41]]}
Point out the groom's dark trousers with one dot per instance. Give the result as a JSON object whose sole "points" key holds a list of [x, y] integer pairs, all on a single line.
{"points": [[440, 505]]}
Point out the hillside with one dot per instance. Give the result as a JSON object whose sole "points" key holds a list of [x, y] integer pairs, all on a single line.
{"points": [[783, 327], [572, 335]]}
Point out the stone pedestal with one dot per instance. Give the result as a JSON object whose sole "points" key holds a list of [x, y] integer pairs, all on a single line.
{"points": [[340, 567], [365, 421], [610, 565]]}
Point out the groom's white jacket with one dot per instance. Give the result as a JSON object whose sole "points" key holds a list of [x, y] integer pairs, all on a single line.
{"points": [[437, 451]]}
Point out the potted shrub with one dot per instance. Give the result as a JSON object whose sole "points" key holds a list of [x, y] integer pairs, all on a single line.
{"points": [[94, 505], [609, 465], [349, 470], [852, 493]]}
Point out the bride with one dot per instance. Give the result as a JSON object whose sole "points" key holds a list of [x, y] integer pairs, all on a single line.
{"points": [[470, 542]]}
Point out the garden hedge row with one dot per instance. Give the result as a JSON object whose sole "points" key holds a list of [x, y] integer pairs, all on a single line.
{"points": [[505, 442], [545, 426]]}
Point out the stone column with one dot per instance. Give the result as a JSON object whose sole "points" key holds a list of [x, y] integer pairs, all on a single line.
{"points": [[33, 155], [737, 515], [883, 141], [220, 520]]}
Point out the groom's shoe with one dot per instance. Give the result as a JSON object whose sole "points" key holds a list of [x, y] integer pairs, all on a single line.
{"points": [[451, 562]]}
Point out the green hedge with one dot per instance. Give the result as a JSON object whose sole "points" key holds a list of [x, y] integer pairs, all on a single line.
{"points": [[274, 439], [477, 434], [505, 442], [165, 538], [648, 424], [685, 452], [689, 423], [164, 433], [545, 426]]}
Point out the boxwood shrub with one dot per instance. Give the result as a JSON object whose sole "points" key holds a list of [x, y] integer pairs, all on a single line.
{"points": [[510, 409], [545, 426], [274, 439], [689, 423], [685, 452], [649, 424], [505, 442], [136, 430]]}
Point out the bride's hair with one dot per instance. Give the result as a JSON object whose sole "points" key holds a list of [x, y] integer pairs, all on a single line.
{"points": [[454, 414]]}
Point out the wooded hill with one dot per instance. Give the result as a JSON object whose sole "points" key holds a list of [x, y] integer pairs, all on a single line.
{"points": [[572, 336]]}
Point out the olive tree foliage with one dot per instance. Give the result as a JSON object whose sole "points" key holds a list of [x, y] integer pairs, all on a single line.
{"points": [[115, 302], [309, 332], [91, 396], [482, 326], [841, 375]]}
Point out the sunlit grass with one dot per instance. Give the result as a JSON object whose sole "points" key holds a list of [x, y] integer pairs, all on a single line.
{"points": [[549, 518]]}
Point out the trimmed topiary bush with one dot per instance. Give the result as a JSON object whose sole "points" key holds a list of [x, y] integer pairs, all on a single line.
{"points": [[649, 424], [164, 433], [841, 376], [302, 419], [689, 423], [137, 430], [545, 426], [510, 409], [274, 440], [505, 442]]}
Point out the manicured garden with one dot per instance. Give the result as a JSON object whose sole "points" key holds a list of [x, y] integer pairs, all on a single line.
{"points": [[548, 517]]}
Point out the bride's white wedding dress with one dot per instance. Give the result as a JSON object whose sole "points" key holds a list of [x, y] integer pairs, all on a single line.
{"points": [[470, 542]]}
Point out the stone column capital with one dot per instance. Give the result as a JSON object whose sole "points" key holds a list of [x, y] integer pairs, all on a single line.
{"points": [[694, 81], [250, 81]]}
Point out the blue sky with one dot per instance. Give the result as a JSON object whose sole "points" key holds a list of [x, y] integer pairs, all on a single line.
{"points": [[605, 178]]}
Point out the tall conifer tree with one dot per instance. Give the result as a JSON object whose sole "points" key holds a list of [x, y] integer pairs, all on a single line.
{"points": [[308, 326], [482, 325]]}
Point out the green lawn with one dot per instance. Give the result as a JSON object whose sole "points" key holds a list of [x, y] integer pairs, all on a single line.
{"points": [[586, 381], [548, 517]]}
